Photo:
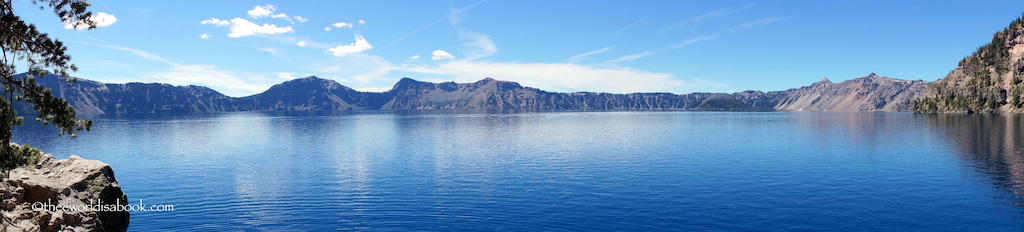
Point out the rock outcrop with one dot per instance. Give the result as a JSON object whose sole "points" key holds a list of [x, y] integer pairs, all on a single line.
{"points": [[990, 80], [869, 93], [69, 182]]}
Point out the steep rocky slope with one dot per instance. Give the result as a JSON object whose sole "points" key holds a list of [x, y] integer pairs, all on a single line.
{"points": [[91, 97], [869, 93], [990, 80]]}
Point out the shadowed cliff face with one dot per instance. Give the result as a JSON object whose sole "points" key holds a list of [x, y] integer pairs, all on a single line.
{"points": [[990, 143], [990, 80], [91, 97], [869, 93], [312, 93]]}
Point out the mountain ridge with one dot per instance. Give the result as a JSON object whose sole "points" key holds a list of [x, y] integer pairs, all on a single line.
{"points": [[870, 93], [314, 93]]}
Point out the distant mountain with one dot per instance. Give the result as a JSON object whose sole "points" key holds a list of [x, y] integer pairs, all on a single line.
{"points": [[493, 94], [990, 80], [91, 97], [869, 93], [312, 93]]}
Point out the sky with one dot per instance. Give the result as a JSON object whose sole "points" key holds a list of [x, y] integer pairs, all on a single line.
{"points": [[241, 48]]}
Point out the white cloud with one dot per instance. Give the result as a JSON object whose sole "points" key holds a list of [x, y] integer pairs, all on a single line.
{"points": [[262, 11], [362, 21], [241, 27], [286, 76], [581, 56], [216, 21], [414, 57], [302, 43], [227, 82], [205, 36], [342, 25], [292, 20], [441, 55], [99, 18], [327, 29], [360, 45]]}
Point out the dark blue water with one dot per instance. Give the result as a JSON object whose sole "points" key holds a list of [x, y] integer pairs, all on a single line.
{"points": [[638, 171]]}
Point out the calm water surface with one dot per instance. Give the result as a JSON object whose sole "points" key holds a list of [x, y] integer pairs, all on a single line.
{"points": [[431, 170]]}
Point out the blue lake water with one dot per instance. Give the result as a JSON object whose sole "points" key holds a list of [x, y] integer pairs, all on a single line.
{"points": [[638, 171]]}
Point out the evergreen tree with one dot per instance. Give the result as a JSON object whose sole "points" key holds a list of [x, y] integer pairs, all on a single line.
{"points": [[22, 44]]}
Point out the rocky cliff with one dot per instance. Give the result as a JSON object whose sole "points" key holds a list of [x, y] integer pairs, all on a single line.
{"points": [[68, 182], [312, 93], [869, 93], [493, 94], [91, 97], [990, 80]]}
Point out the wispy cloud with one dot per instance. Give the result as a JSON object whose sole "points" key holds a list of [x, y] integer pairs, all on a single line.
{"points": [[754, 23], [627, 27], [707, 16], [476, 45], [451, 13], [227, 82], [139, 53], [581, 56], [632, 56], [693, 40], [404, 36], [643, 54]]}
